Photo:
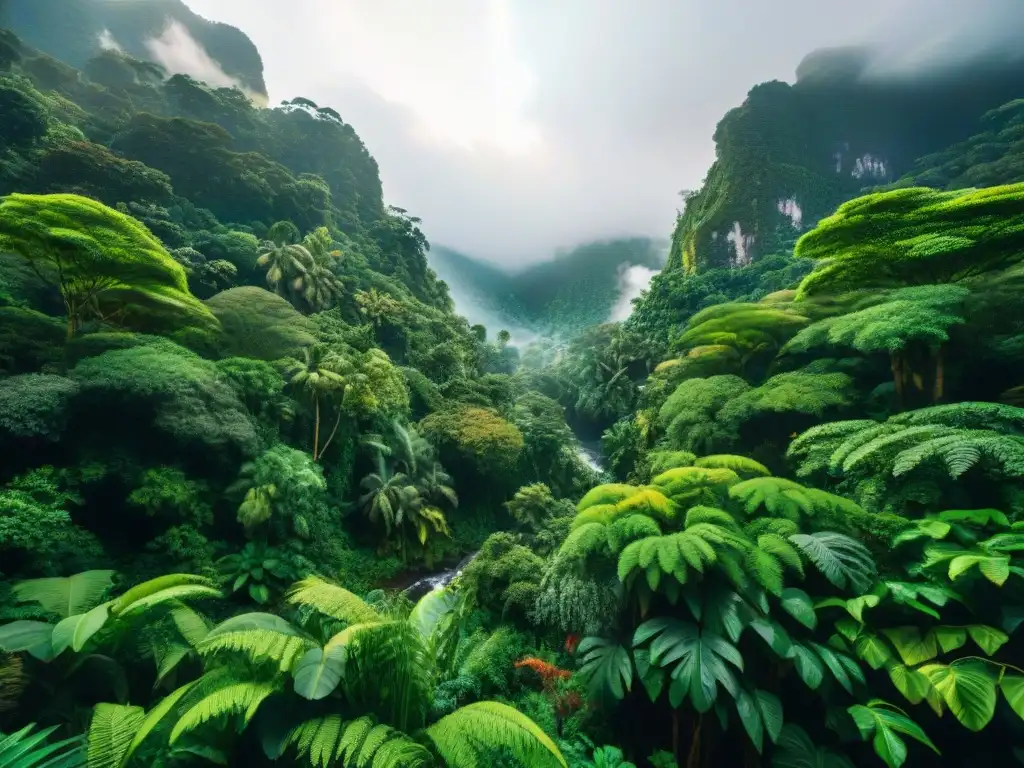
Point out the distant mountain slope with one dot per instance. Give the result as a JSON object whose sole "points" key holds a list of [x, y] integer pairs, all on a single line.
{"points": [[74, 31], [576, 289]]}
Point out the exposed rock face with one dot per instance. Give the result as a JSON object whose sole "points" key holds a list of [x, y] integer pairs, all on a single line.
{"points": [[791, 153], [166, 32]]}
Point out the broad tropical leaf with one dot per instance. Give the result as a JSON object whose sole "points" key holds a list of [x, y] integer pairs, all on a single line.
{"points": [[701, 659], [65, 596], [968, 688], [74, 631], [605, 667], [36, 637], [796, 750], [885, 723]]}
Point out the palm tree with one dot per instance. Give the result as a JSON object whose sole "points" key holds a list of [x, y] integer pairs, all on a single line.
{"points": [[374, 681], [435, 485], [300, 272], [321, 373], [377, 307], [389, 495]]}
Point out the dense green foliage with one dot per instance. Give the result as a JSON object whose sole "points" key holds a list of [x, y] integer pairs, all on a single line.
{"points": [[239, 417]]}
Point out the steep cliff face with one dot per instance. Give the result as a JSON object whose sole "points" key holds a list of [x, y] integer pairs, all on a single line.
{"points": [[167, 32], [791, 153]]}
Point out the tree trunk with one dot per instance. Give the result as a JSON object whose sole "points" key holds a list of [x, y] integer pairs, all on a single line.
{"points": [[316, 427], [693, 760], [337, 421], [939, 389], [896, 365], [675, 735]]}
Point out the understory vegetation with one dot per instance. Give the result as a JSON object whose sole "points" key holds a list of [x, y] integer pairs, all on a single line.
{"points": [[240, 415]]}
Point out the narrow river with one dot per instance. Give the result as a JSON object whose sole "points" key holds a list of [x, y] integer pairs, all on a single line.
{"points": [[589, 452]]}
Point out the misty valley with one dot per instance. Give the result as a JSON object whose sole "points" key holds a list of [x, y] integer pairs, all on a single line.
{"points": [[284, 483]]}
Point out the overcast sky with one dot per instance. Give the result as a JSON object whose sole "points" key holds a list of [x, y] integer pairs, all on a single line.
{"points": [[515, 127]]}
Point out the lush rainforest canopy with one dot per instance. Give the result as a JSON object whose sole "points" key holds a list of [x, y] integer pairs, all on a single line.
{"points": [[239, 416]]}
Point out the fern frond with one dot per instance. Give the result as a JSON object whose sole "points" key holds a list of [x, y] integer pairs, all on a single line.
{"points": [[610, 493], [318, 739], [701, 514], [466, 736], [599, 513], [585, 541], [110, 733], [332, 600], [741, 465], [648, 501], [258, 637], [227, 697], [629, 529], [840, 559]]}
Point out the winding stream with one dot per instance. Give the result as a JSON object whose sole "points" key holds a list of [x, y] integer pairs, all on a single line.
{"points": [[589, 451]]}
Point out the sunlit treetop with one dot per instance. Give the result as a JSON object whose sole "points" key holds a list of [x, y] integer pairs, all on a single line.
{"points": [[914, 236]]}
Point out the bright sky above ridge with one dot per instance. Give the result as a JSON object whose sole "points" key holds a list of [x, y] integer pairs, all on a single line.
{"points": [[514, 127]]}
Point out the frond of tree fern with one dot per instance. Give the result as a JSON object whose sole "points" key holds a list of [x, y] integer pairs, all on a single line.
{"points": [[689, 486], [25, 749], [116, 732], [741, 465], [701, 514], [648, 501], [628, 529], [610, 493], [110, 733], [65, 596], [785, 498], [465, 737], [662, 461], [998, 417], [222, 696], [599, 513], [258, 637], [814, 448], [842, 560], [587, 540], [961, 450], [332, 600]]}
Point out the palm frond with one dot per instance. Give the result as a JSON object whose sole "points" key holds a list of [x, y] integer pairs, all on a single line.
{"points": [[25, 749], [842, 560], [225, 696]]}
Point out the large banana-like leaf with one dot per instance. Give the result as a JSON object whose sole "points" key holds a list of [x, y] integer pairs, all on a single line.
{"points": [[66, 596], [430, 611], [75, 631], [36, 637]]}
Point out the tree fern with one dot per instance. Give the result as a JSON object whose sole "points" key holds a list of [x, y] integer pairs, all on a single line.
{"points": [[741, 465], [610, 493], [65, 596], [689, 486], [701, 514], [258, 637], [785, 498], [599, 513], [332, 600], [662, 461], [467, 736], [814, 448], [842, 560]]}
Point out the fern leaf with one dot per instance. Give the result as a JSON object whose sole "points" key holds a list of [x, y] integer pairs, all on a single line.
{"points": [[332, 600], [465, 737], [259, 637], [230, 697], [110, 733], [840, 559], [741, 465]]}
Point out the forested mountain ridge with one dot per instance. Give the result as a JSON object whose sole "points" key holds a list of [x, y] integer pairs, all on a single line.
{"points": [[75, 31], [790, 154], [578, 288], [239, 414]]}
